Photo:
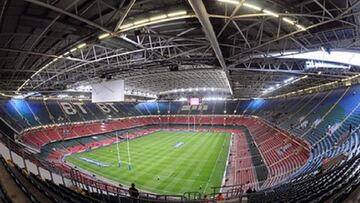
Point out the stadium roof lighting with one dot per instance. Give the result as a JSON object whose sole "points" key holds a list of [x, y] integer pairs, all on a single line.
{"points": [[288, 80], [126, 26], [141, 21], [73, 49], [159, 17], [103, 36], [155, 19], [252, 6], [213, 98], [344, 57], [62, 95], [300, 27], [230, 1], [82, 45], [177, 13], [271, 13], [266, 11], [287, 20], [310, 64]]}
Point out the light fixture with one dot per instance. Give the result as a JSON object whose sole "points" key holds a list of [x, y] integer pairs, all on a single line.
{"points": [[103, 36], [73, 49], [230, 1], [177, 13], [141, 21], [251, 6], [289, 80], [126, 26], [348, 57], [300, 27], [287, 20], [158, 17], [155, 19], [81, 45], [271, 13]]}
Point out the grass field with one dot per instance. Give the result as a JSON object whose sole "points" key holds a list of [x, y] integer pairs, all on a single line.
{"points": [[199, 160]]}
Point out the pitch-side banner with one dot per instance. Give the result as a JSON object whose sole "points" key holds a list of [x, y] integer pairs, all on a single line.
{"points": [[108, 91]]}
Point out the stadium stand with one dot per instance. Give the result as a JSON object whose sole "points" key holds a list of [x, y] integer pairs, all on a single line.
{"points": [[262, 144], [242, 100]]}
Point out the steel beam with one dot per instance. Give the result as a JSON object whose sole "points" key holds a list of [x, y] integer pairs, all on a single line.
{"points": [[201, 13]]}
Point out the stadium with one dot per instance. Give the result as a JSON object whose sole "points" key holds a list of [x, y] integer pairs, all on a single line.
{"points": [[146, 101]]}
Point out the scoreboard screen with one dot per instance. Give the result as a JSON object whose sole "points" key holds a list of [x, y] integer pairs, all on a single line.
{"points": [[194, 101]]}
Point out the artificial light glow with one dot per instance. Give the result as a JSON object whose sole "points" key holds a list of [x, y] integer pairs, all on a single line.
{"points": [[271, 13], [289, 80], [251, 6], [177, 13], [73, 49], [141, 21], [320, 64], [126, 26], [81, 45], [230, 1], [103, 36], [66, 53], [300, 27], [158, 17], [213, 98], [287, 20], [62, 95], [182, 99], [344, 57], [319, 73]]}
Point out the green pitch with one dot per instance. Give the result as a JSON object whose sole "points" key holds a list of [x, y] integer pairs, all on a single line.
{"points": [[164, 162]]}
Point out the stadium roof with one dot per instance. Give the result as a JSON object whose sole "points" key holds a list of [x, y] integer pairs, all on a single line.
{"points": [[246, 46]]}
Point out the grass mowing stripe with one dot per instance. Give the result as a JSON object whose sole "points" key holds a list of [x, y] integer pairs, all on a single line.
{"points": [[180, 169]]}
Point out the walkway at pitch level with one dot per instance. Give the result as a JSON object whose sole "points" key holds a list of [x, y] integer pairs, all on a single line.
{"points": [[258, 162]]}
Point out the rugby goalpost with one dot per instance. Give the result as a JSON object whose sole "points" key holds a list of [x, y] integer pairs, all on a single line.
{"points": [[128, 151]]}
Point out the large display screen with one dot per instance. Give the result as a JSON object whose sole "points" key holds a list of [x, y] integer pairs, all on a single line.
{"points": [[108, 91], [194, 101]]}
